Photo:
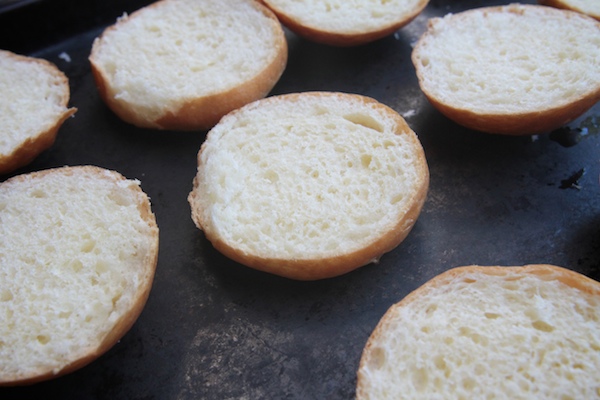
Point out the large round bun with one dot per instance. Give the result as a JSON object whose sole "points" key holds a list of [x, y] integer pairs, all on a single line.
{"points": [[309, 185], [77, 258], [183, 64], [345, 22], [33, 106], [479, 332], [515, 70]]}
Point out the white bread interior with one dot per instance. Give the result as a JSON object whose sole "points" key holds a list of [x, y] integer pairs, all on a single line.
{"points": [[33, 106], [588, 7], [478, 332], [183, 64], [345, 22], [77, 259], [309, 185], [516, 69]]}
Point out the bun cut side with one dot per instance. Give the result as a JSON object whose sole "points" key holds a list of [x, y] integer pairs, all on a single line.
{"points": [[309, 186], [515, 70], [348, 22], [77, 259], [477, 332], [183, 64], [33, 106]]}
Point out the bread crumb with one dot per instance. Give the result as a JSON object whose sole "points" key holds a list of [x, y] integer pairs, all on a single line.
{"points": [[409, 113], [65, 56]]}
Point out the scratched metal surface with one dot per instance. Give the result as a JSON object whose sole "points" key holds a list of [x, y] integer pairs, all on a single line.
{"points": [[215, 329]]}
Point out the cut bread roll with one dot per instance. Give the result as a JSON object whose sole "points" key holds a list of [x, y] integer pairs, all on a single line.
{"points": [[183, 64], [345, 22], [33, 106], [589, 7], [310, 185], [478, 332], [516, 69], [77, 259]]}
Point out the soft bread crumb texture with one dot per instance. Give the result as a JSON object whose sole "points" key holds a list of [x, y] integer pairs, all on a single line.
{"points": [[307, 176], [513, 59], [489, 333], [34, 99], [174, 51], [76, 254], [347, 16]]}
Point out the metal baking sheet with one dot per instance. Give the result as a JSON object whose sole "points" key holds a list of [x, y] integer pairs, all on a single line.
{"points": [[214, 329]]}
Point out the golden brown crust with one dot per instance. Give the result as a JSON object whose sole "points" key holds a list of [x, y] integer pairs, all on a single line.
{"points": [[530, 123], [565, 5], [102, 81], [321, 268], [315, 269], [32, 147], [203, 112], [517, 124], [29, 149], [545, 272], [331, 38], [126, 321]]}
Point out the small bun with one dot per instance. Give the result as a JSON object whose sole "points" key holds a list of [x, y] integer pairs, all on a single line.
{"points": [[347, 22], [589, 7], [183, 64], [33, 106], [309, 186], [478, 332], [515, 70], [77, 259]]}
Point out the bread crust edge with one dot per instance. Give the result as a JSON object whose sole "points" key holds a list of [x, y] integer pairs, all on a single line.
{"points": [[342, 39], [517, 124], [202, 112], [543, 271], [526, 123], [126, 321], [32, 147], [317, 269]]}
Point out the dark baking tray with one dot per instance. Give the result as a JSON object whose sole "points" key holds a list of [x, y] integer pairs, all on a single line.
{"points": [[217, 330]]}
